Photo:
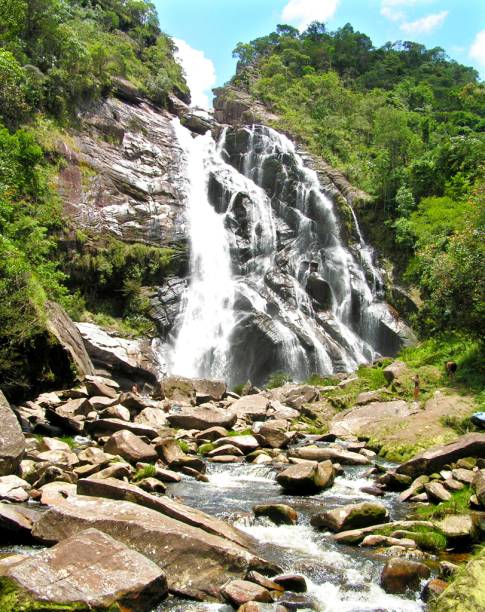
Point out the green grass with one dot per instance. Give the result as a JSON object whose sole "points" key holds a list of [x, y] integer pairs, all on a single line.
{"points": [[277, 379], [244, 432], [320, 381], [205, 448], [148, 471], [461, 425], [426, 538], [183, 445], [458, 504], [238, 388]]}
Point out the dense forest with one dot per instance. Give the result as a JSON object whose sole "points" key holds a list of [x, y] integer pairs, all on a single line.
{"points": [[404, 123], [57, 58]]}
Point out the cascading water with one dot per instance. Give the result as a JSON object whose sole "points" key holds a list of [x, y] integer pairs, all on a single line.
{"points": [[272, 286]]}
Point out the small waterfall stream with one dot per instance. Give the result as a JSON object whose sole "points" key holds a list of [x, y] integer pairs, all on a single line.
{"points": [[272, 285]]}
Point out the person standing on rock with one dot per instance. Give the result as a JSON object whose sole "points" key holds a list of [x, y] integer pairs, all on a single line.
{"points": [[416, 387]]}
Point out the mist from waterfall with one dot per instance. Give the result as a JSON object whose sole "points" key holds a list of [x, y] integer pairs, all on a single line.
{"points": [[271, 284]]}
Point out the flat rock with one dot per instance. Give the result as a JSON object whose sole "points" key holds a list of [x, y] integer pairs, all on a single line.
{"points": [[436, 492], [89, 568], [202, 418], [251, 407], [196, 563], [457, 528], [113, 425], [155, 418], [116, 412], [351, 516], [356, 420], [225, 449], [13, 489], [212, 434], [436, 458], [178, 389], [16, 523], [12, 442], [307, 478], [246, 443], [127, 445], [209, 388], [322, 454], [115, 489], [275, 433], [463, 475]]}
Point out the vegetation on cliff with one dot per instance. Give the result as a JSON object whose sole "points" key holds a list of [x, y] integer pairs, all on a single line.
{"points": [[58, 57], [406, 124]]}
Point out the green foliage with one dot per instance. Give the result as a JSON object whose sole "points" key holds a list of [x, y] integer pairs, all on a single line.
{"points": [[71, 52], [426, 538], [461, 425], [277, 379], [238, 388], [205, 448], [243, 432], [320, 381], [183, 445], [148, 471], [458, 504]]}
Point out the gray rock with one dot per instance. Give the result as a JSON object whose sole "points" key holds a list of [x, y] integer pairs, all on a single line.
{"points": [[436, 492], [202, 418], [401, 574], [322, 454], [479, 486], [12, 442]]}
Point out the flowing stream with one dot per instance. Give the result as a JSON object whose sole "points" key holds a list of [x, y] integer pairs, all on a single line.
{"points": [[272, 285], [339, 577]]}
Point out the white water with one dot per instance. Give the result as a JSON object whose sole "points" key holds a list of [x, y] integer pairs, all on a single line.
{"points": [[269, 276]]}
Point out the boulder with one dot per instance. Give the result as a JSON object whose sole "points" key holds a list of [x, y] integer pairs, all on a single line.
{"points": [[275, 433], [130, 447], [246, 443], [394, 372], [351, 516], [239, 592], [212, 434], [155, 418], [93, 454], [117, 411], [280, 514], [355, 536], [117, 470], [250, 407], [89, 569], [96, 387], [208, 389], [151, 485], [436, 492], [356, 420], [108, 426], [179, 390], [196, 563], [466, 593], [111, 488], [307, 478], [433, 589], [16, 524], [416, 487], [202, 418], [225, 449], [434, 459], [291, 582], [401, 574], [48, 444], [14, 489], [169, 450], [463, 475], [12, 442], [479, 486], [458, 529], [335, 454]]}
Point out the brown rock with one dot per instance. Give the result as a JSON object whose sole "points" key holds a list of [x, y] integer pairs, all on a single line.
{"points": [[321, 454], [16, 524], [89, 568], [433, 589], [401, 574], [351, 516], [433, 460], [292, 582], [212, 434], [202, 418], [98, 388], [113, 425], [437, 492], [280, 514], [479, 486], [130, 447], [239, 592], [307, 478], [197, 563]]}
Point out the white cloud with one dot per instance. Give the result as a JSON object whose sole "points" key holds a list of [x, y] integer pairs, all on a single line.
{"points": [[395, 9], [303, 12], [425, 25], [199, 70], [477, 50]]}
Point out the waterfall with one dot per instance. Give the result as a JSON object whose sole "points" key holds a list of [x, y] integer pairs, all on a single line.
{"points": [[272, 286]]}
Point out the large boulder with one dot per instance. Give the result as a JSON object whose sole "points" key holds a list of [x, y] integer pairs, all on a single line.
{"points": [[275, 433], [356, 420], [352, 516], [394, 372], [89, 570], [239, 592], [436, 458], [401, 574], [251, 407], [335, 454], [202, 418], [169, 450], [130, 447], [209, 389], [466, 593], [111, 488], [196, 563], [178, 389], [16, 523], [280, 514], [12, 442], [307, 478]]}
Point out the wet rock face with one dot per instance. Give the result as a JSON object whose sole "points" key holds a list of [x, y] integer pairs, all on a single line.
{"points": [[131, 188]]}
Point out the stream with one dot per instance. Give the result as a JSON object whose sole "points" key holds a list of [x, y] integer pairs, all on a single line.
{"points": [[339, 577]]}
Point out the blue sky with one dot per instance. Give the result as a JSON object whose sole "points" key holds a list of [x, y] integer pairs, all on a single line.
{"points": [[207, 31]]}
